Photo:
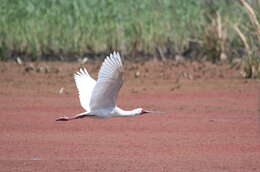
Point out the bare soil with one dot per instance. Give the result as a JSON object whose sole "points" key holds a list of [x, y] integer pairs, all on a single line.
{"points": [[211, 120]]}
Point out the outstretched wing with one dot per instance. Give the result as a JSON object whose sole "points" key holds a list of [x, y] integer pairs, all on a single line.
{"points": [[85, 84], [108, 84]]}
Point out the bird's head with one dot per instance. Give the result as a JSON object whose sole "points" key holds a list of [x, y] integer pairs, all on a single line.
{"points": [[141, 111]]}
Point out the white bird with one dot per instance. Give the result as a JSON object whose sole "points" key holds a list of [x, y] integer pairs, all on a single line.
{"points": [[98, 98]]}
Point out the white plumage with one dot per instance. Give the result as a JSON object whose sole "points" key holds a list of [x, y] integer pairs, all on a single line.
{"points": [[98, 98], [108, 84], [85, 84]]}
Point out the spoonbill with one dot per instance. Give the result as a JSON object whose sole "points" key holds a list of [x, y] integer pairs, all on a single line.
{"points": [[98, 98]]}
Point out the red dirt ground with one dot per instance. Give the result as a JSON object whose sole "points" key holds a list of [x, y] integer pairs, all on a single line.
{"points": [[211, 120]]}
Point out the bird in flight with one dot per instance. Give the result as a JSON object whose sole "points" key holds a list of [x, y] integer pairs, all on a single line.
{"points": [[98, 98]]}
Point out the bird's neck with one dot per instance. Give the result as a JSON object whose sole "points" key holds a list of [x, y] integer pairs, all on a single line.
{"points": [[121, 112]]}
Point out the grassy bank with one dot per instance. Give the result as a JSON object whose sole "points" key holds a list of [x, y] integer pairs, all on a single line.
{"points": [[37, 29]]}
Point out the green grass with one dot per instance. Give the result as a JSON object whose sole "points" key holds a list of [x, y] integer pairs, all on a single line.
{"points": [[73, 28]]}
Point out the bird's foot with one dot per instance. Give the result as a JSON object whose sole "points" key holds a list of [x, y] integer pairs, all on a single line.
{"points": [[63, 118]]}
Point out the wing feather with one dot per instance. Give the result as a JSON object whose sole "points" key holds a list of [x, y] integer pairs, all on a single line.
{"points": [[108, 84], [85, 84]]}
